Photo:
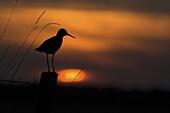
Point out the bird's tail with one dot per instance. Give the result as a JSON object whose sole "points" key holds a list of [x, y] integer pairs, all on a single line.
{"points": [[36, 49]]}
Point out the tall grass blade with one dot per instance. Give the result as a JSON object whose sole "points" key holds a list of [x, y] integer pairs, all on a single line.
{"points": [[4, 54], [6, 26], [30, 48], [34, 27], [76, 76], [9, 70]]}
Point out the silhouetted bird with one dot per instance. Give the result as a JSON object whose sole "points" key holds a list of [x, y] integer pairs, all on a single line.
{"points": [[52, 45]]}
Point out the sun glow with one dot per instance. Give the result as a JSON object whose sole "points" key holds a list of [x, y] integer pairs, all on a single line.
{"points": [[71, 75]]}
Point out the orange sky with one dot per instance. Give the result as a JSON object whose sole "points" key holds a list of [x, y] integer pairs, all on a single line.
{"points": [[124, 44]]}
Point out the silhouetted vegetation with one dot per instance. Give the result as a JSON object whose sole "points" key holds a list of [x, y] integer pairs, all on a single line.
{"points": [[6, 26], [22, 98]]}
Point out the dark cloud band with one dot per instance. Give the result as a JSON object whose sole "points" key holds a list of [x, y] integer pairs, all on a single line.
{"points": [[150, 6]]}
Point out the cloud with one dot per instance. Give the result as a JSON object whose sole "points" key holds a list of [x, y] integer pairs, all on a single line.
{"points": [[131, 56], [126, 68], [156, 6]]}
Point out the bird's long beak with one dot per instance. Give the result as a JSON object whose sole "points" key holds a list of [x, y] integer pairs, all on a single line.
{"points": [[71, 36]]}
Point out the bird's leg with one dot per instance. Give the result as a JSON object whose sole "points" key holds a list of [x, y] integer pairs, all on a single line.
{"points": [[48, 64], [53, 62]]}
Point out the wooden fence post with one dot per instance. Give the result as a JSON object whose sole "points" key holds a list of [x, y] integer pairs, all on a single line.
{"points": [[47, 89]]}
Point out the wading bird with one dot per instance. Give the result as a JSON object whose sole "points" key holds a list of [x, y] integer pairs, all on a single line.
{"points": [[52, 45]]}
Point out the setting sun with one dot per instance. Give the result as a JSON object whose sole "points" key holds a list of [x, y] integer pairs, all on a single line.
{"points": [[71, 75]]}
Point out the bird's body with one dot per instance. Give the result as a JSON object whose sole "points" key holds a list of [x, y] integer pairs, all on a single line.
{"points": [[52, 45]]}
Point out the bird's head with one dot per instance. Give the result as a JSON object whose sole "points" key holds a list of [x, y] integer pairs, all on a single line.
{"points": [[62, 32]]}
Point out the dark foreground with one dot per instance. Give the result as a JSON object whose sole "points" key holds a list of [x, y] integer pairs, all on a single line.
{"points": [[23, 99]]}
